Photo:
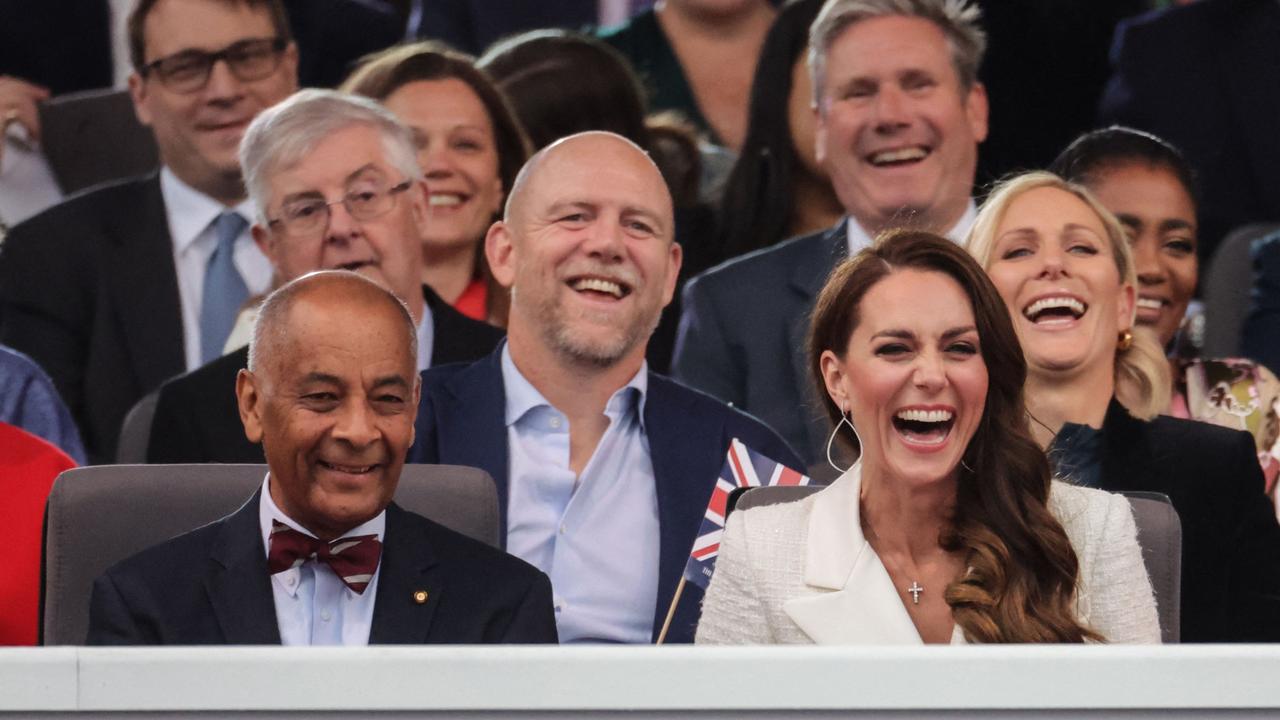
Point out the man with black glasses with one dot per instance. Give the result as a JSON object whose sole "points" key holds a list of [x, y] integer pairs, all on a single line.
{"points": [[335, 184], [119, 288]]}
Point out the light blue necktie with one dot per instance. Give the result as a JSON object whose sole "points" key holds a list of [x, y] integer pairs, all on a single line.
{"points": [[224, 289]]}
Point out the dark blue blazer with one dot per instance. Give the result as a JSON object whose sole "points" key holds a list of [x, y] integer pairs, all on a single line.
{"points": [[742, 334], [211, 587], [462, 421]]}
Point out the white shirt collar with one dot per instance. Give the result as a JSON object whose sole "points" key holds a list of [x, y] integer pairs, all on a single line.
{"points": [[190, 211], [859, 239]]}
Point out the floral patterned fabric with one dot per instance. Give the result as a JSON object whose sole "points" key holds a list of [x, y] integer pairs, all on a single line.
{"points": [[1234, 393]]}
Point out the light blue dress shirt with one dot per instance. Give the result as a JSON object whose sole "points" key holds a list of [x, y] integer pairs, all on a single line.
{"points": [[313, 607], [595, 535]]}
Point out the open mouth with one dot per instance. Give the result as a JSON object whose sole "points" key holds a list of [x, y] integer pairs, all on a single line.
{"points": [[444, 199], [600, 287], [899, 156], [1056, 310], [924, 427], [348, 469]]}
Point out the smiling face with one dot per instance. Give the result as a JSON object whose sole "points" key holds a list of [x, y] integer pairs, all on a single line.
{"points": [[458, 155], [896, 131], [1056, 271], [332, 401], [1158, 214], [385, 249], [587, 251], [198, 133], [912, 377]]}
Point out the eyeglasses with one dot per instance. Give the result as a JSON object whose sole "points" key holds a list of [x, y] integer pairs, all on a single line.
{"points": [[188, 71], [309, 217]]}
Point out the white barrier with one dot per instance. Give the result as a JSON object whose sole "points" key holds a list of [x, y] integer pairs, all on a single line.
{"points": [[935, 681]]}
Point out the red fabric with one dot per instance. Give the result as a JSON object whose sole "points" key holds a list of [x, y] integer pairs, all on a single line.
{"points": [[353, 559], [28, 466], [474, 301]]}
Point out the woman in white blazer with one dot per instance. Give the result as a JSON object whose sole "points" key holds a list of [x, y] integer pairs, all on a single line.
{"points": [[948, 529]]}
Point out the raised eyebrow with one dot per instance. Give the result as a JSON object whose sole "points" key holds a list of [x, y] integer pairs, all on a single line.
{"points": [[896, 334], [956, 332], [1176, 224], [396, 381]]}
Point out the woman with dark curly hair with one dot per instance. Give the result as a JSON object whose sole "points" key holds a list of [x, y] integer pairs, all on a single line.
{"points": [[948, 528]]}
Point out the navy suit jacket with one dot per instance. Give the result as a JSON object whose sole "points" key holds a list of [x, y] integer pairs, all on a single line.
{"points": [[90, 292], [211, 587], [742, 335], [461, 421]]}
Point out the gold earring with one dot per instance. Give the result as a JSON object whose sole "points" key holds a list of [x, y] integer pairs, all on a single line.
{"points": [[1126, 340]]}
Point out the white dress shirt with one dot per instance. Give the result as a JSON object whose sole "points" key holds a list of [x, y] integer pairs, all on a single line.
{"points": [[595, 535], [191, 216], [313, 606], [859, 239]]}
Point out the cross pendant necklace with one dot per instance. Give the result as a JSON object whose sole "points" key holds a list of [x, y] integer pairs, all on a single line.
{"points": [[915, 591]]}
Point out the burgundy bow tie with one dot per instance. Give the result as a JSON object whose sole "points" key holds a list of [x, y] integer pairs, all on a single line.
{"points": [[352, 559]]}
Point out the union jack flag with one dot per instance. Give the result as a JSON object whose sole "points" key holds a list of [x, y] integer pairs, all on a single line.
{"points": [[743, 467]]}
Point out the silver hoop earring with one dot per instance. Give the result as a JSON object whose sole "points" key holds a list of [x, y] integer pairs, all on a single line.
{"points": [[965, 465], [844, 420]]}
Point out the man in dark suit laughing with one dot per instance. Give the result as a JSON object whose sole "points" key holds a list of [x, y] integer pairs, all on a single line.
{"points": [[320, 555]]}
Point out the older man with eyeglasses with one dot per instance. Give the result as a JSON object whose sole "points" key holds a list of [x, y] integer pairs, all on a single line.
{"points": [[118, 289], [335, 184]]}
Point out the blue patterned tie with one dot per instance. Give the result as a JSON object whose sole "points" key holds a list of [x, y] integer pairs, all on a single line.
{"points": [[224, 289]]}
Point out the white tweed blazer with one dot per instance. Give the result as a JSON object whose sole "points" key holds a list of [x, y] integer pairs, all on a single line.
{"points": [[802, 572]]}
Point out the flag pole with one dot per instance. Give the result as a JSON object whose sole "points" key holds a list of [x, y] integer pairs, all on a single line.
{"points": [[671, 612]]}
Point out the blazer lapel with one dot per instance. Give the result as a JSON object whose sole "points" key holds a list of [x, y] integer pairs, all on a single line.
{"points": [[405, 572], [472, 424], [682, 498], [859, 604], [806, 282], [1127, 457], [144, 285], [238, 585]]}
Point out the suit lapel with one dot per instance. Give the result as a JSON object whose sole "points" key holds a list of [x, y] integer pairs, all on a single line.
{"points": [[682, 499], [472, 424], [238, 584], [405, 571], [458, 338], [1127, 457], [806, 281], [144, 287], [1253, 46], [857, 602]]}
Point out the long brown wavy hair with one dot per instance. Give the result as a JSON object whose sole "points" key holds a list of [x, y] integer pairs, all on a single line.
{"points": [[1020, 585]]}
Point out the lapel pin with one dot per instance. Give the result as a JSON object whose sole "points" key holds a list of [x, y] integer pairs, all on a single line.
{"points": [[420, 596]]}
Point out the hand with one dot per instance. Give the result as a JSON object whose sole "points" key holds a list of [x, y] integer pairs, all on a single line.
{"points": [[18, 100]]}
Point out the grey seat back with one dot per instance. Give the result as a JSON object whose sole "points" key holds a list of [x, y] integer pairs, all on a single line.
{"points": [[1159, 536], [135, 431], [93, 137], [97, 516], [1226, 285]]}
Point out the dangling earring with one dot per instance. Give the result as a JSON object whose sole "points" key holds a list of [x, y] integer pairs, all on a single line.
{"points": [[1126, 340], [844, 420]]}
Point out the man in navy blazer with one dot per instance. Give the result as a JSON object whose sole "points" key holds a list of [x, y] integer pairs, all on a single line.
{"points": [[899, 113], [320, 555], [604, 469]]}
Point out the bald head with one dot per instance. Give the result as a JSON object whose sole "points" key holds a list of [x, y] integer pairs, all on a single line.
{"points": [[322, 291], [584, 149]]}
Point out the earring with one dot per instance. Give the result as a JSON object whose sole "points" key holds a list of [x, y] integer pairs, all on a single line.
{"points": [[844, 420], [1126, 340]]}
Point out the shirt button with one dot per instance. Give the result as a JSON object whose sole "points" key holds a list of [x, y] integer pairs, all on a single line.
{"points": [[291, 581], [324, 615], [562, 529], [555, 423]]}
